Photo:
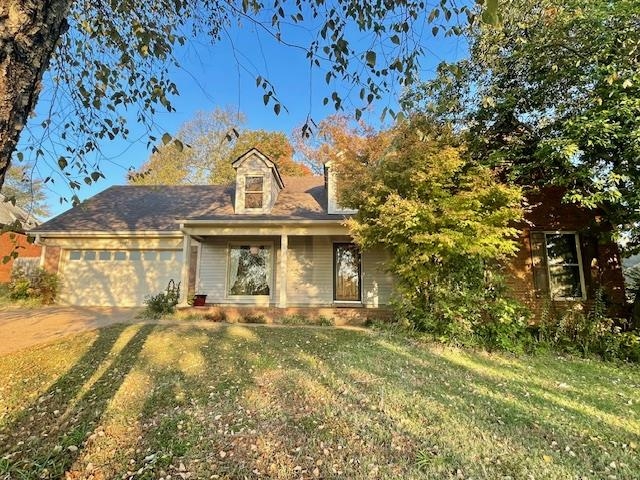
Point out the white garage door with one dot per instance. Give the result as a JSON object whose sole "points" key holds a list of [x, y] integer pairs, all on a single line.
{"points": [[117, 278]]}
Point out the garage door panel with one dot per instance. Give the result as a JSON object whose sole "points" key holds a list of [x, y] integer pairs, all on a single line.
{"points": [[95, 278]]}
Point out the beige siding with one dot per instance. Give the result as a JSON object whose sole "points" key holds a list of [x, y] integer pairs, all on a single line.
{"points": [[377, 284], [309, 272]]}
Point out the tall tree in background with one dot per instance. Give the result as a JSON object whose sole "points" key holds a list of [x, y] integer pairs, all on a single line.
{"points": [[198, 155], [27, 193], [552, 97], [205, 147], [109, 57], [275, 145]]}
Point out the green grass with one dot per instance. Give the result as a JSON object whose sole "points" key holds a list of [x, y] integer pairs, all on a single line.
{"points": [[234, 401]]}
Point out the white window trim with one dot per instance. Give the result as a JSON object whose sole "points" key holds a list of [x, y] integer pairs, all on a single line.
{"points": [[261, 209], [583, 286], [270, 275]]}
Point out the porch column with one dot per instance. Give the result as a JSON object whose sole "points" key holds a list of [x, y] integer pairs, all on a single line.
{"points": [[184, 281], [284, 248]]}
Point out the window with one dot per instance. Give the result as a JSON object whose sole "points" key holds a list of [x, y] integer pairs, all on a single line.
{"points": [[89, 255], [134, 255], [166, 255], [253, 189], [249, 270], [565, 267], [346, 266], [104, 255], [149, 255], [120, 255], [75, 255]]}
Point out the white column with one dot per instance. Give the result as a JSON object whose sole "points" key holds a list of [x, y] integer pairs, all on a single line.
{"points": [[284, 248], [186, 260]]}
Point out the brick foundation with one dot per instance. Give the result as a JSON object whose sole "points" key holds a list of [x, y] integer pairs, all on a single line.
{"points": [[340, 316]]}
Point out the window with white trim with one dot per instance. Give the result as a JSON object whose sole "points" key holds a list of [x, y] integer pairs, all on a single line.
{"points": [[249, 270], [564, 265]]}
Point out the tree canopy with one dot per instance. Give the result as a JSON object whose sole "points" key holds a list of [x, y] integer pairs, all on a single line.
{"points": [[27, 192], [552, 97], [205, 147], [446, 222], [109, 59]]}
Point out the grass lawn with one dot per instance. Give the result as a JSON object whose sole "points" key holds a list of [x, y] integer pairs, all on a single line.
{"points": [[232, 401]]}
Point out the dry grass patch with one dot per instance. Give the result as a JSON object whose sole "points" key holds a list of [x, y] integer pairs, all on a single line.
{"points": [[167, 401]]}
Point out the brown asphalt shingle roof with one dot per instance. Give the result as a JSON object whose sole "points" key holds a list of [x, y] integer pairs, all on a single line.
{"points": [[156, 208]]}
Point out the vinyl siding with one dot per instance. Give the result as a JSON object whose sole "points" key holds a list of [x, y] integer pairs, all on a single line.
{"points": [[309, 272], [377, 284]]}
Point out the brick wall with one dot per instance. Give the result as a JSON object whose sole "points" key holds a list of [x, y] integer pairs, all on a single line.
{"points": [[51, 259], [600, 256], [9, 242], [340, 316]]}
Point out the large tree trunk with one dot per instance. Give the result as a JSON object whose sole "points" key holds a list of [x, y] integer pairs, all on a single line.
{"points": [[29, 33]]}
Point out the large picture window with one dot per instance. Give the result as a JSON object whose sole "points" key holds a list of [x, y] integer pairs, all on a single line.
{"points": [[253, 192], [346, 266], [249, 270], [565, 270]]}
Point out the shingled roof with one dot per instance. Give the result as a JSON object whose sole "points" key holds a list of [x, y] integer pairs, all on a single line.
{"points": [[158, 208]]}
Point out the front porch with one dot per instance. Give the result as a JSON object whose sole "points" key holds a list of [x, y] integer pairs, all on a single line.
{"points": [[276, 268]]}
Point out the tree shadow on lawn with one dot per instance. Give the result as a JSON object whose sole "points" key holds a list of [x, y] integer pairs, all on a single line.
{"points": [[277, 401], [526, 414], [46, 437]]}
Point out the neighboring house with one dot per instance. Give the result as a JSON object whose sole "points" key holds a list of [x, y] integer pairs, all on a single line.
{"points": [[13, 222], [268, 241]]}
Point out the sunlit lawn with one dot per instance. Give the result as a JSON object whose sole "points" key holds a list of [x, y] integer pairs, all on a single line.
{"points": [[154, 401]]}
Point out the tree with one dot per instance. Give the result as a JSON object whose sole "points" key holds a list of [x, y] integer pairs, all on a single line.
{"points": [[446, 222], [205, 147], [200, 153], [27, 192], [552, 97], [274, 145], [109, 57]]}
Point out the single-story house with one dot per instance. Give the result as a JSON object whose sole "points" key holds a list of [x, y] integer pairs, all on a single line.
{"points": [[278, 242], [13, 239]]}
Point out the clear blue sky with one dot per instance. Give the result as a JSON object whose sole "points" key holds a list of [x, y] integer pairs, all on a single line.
{"points": [[223, 74]]}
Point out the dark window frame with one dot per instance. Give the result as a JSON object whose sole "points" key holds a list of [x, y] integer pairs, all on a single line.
{"points": [[336, 246]]}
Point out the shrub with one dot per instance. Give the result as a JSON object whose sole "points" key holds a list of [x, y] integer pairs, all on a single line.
{"points": [[36, 284], [325, 321], [295, 319], [254, 318], [164, 303]]}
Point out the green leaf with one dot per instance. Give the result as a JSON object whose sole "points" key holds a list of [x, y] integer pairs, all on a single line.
{"points": [[370, 57], [490, 14], [166, 138], [62, 163]]}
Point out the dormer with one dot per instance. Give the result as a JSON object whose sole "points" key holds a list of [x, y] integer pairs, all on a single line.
{"points": [[258, 183], [331, 184]]}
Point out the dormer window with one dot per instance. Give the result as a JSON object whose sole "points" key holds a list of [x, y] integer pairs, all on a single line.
{"points": [[258, 183], [253, 192]]}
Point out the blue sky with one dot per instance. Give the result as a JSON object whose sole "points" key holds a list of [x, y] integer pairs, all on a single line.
{"points": [[223, 75]]}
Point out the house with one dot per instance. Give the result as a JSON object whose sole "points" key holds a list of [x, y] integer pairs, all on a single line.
{"points": [[276, 242], [13, 223]]}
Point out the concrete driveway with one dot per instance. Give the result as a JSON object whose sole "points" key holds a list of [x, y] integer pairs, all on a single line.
{"points": [[23, 328]]}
